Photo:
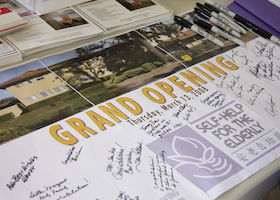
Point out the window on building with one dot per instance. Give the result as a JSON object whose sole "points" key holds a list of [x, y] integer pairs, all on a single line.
{"points": [[39, 78], [29, 81], [59, 88], [19, 85], [86, 78], [46, 93], [32, 98]]}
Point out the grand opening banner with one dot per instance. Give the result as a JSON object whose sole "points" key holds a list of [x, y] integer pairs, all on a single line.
{"points": [[146, 115]]}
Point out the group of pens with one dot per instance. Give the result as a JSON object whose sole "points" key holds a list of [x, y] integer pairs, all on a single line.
{"points": [[226, 24]]}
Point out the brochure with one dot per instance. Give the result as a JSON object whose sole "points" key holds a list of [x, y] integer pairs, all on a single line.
{"points": [[71, 24], [10, 21], [46, 6], [8, 52], [53, 29], [156, 113], [115, 15]]}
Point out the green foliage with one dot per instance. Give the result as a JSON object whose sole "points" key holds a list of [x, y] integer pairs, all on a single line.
{"points": [[197, 50], [209, 45], [11, 133], [66, 111], [148, 67], [7, 99], [129, 74], [51, 100], [180, 53], [158, 63], [192, 52], [7, 117], [101, 96]]}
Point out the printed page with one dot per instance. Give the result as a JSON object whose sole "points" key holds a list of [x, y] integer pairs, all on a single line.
{"points": [[111, 13], [8, 52], [113, 160], [150, 114], [46, 6], [52, 29], [10, 21]]}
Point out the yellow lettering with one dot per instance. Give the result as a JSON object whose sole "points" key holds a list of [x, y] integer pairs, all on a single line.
{"points": [[159, 99], [180, 84], [203, 73], [112, 112], [137, 108], [98, 120], [166, 88], [80, 126], [192, 77], [229, 65], [71, 139], [213, 69]]}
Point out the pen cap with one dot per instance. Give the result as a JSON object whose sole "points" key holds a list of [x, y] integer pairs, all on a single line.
{"points": [[202, 23], [203, 9], [202, 13], [183, 22], [211, 8]]}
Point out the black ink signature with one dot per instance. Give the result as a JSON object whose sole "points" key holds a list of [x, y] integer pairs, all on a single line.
{"points": [[72, 155], [256, 91], [264, 50], [24, 174], [233, 54], [272, 107]]}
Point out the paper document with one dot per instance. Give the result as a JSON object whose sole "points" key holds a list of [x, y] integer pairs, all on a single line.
{"points": [[155, 113], [8, 52], [122, 14], [46, 6], [10, 21], [53, 29]]}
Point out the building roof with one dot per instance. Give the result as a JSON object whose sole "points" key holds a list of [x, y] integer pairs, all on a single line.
{"points": [[23, 77], [8, 104]]}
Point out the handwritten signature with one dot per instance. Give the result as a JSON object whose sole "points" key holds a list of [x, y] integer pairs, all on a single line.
{"points": [[72, 155], [264, 50], [271, 109]]}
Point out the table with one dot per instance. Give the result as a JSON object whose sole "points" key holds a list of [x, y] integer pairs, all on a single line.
{"points": [[252, 188]]}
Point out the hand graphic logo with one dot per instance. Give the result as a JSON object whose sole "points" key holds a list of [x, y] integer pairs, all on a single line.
{"points": [[189, 151]]}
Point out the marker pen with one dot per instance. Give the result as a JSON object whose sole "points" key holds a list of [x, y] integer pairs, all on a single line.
{"points": [[214, 14], [222, 15], [198, 30], [216, 21], [215, 29], [246, 23]]}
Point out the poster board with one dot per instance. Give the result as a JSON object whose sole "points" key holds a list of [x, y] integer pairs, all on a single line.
{"points": [[145, 130]]}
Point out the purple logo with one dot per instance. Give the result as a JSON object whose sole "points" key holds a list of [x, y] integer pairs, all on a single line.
{"points": [[195, 158]]}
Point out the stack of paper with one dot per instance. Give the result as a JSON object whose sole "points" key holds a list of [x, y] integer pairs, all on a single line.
{"points": [[263, 13], [115, 15], [45, 6], [8, 52], [10, 21], [54, 29], [50, 28]]}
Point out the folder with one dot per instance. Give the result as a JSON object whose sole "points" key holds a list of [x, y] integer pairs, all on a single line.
{"points": [[238, 9]]}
